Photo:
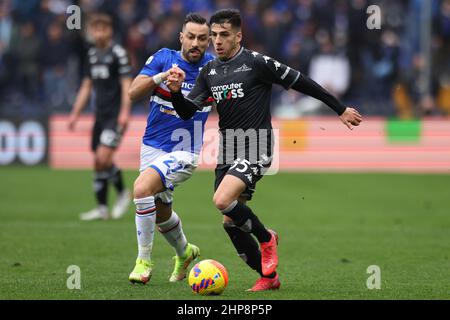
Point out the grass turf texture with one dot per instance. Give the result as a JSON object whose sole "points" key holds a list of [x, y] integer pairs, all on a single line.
{"points": [[331, 227]]}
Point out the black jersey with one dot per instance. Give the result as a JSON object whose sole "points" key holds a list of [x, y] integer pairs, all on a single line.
{"points": [[105, 68], [241, 88]]}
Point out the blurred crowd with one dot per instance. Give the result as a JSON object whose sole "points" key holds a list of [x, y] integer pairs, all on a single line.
{"points": [[379, 71]]}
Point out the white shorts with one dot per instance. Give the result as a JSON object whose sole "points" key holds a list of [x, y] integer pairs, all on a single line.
{"points": [[173, 168]]}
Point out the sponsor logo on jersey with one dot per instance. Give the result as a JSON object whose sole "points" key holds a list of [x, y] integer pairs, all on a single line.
{"points": [[212, 72], [243, 68], [100, 71], [108, 58], [228, 91], [187, 86], [249, 177], [168, 111]]}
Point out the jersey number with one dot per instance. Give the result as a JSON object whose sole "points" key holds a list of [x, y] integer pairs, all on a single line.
{"points": [[244, 165], [170, 163]]}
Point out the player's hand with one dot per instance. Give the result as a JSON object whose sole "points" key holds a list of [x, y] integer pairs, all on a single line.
{"points": [[175, 79], [123, 120], [72, 121], [351, 118]]}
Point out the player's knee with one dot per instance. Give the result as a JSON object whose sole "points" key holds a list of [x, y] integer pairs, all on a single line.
{"points": [[101, 164], [221, 202], [141, 190]]}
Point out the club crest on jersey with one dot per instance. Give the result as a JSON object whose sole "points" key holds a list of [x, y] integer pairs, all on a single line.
{"points": [[212, 72], [243, 68], [277, 65]]}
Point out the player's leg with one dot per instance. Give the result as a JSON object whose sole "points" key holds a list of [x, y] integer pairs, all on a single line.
{"points": [[239, 179], [123, 194], [170, 226], [109, 141], [146, 186], [226, 200], [163, 172], [248, 250], [100, 180], [175, 168], [246, 246]]}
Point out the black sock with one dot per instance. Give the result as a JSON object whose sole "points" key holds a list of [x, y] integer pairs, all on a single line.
{"points": [[246, 246], [101, 186], [115, 177], [247, 221]]}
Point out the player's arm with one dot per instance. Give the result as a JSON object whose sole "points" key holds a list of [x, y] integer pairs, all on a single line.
{"points": [[349, 116], [124, 71], [80, 102], [187, 107], [125, 103], [272, 71], [150, 77], [143, 85]]}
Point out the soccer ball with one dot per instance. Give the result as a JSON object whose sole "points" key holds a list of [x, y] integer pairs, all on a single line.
{"points": [[208, 277]]}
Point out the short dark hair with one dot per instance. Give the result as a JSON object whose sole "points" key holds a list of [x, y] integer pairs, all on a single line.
{"points": [[194, 18], [231, 16], [101, 18]]}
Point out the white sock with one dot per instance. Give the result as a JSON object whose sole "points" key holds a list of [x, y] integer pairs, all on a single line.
{"points": [[172, 230], [145, 225]]}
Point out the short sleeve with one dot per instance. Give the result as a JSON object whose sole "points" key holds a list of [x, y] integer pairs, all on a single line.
{"points": [[272, 71], [200, 94], [154, 64], [123, 61]]}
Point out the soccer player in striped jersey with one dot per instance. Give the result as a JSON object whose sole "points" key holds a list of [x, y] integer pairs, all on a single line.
{"points": [[165, 160]]}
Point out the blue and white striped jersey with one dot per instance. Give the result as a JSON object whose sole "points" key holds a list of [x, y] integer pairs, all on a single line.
{"points": [[165, 130]]}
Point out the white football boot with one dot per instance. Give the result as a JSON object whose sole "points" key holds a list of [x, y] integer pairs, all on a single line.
{"points": [[99, 213], [122, 204]]}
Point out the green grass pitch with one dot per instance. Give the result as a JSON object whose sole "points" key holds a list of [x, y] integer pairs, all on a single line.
{"points": [[331, 227]]}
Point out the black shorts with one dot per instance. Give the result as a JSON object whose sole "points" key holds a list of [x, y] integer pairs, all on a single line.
{"points": [[107, 133], [249, 173]]}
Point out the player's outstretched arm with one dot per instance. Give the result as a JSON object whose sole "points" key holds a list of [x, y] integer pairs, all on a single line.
{"points": [[80, 102], [184, 108], [349, 116]]}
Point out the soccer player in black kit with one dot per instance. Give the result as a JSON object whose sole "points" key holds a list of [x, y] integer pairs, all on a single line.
{"points": [[240, 81], [108, 72]]}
